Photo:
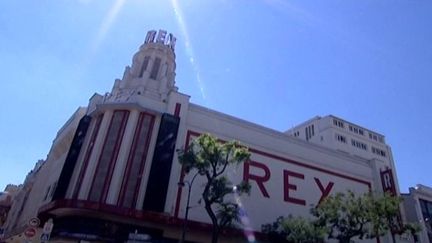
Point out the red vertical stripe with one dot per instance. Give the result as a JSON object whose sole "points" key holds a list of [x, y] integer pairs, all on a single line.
{"points": [[130, 159], [182, 175], [177, 110], [114, 156]]}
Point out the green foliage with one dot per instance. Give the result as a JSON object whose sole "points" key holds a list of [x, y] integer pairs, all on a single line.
{"points": [[294, 229], [228, 214], [345, 216], [384, 217], [210, 158], [383, 212], [412, 228], [369, 215]]}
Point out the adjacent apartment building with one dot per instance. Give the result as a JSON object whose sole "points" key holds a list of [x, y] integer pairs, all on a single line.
{"points": [[418, 209]]}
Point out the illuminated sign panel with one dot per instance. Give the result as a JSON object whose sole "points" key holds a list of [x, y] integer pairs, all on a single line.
{"points": [[387, 182], [161, 38], [150, 36]]}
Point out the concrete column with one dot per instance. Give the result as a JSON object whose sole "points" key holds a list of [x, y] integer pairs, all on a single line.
{"points": [[120, 164], [94, 157]]}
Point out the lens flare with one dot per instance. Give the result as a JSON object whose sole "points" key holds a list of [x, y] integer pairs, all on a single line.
{"points": [[104, 28], [244, 219], [189, 50]]}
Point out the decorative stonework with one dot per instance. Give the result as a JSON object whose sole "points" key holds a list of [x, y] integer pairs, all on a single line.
{"points": [[152, 73]]}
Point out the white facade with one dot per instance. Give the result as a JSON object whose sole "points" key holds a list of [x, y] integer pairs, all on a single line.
{"points": [[338, 134], [293, 174], [418, 209], [127, 171]]}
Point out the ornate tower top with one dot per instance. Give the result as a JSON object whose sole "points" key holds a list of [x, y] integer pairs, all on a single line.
{"points": [[153, 68]]}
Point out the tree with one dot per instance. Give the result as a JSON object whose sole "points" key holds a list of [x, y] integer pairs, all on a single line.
{"points": [[384, 215], [211, 158], [412, 229], [369, 215], [294, 229], [345, 216]]}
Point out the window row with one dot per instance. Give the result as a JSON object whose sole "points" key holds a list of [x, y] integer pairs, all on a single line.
{"points": [[359, 131], [341, 138], [154, 70], [379, 152], [338, 123], [309, 131], [375, 137], [356, 130], [358, 144]]}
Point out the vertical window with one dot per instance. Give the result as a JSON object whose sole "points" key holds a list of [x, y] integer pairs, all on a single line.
{"points": [[54, 186], [144, 66], [378, 151], [105, 167], [47, 193], [155, 68], [136, 161], [358, 144], [338, 123], [87, 155], [341, 138]]}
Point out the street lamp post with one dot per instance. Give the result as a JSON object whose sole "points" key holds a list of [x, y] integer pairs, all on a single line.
{"points": [[189, 184]]}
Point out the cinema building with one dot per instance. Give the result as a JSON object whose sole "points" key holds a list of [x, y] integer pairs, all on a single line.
{"points": [[121, 175]]}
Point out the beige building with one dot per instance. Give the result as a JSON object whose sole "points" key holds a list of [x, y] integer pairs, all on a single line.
{"points": [[113, 170], [40, 183]]}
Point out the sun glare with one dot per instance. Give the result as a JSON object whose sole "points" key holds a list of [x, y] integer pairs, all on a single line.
{"points": [[189, 50]]}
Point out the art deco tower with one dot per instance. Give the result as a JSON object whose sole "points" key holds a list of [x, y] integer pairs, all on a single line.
{"points": [[127, 155], [153, 69]]}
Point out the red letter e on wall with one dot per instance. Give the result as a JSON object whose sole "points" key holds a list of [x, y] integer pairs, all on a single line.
{"points": [[288, 187]]}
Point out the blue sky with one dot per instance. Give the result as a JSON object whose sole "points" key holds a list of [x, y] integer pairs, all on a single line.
{"points": [[273, 62]]}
